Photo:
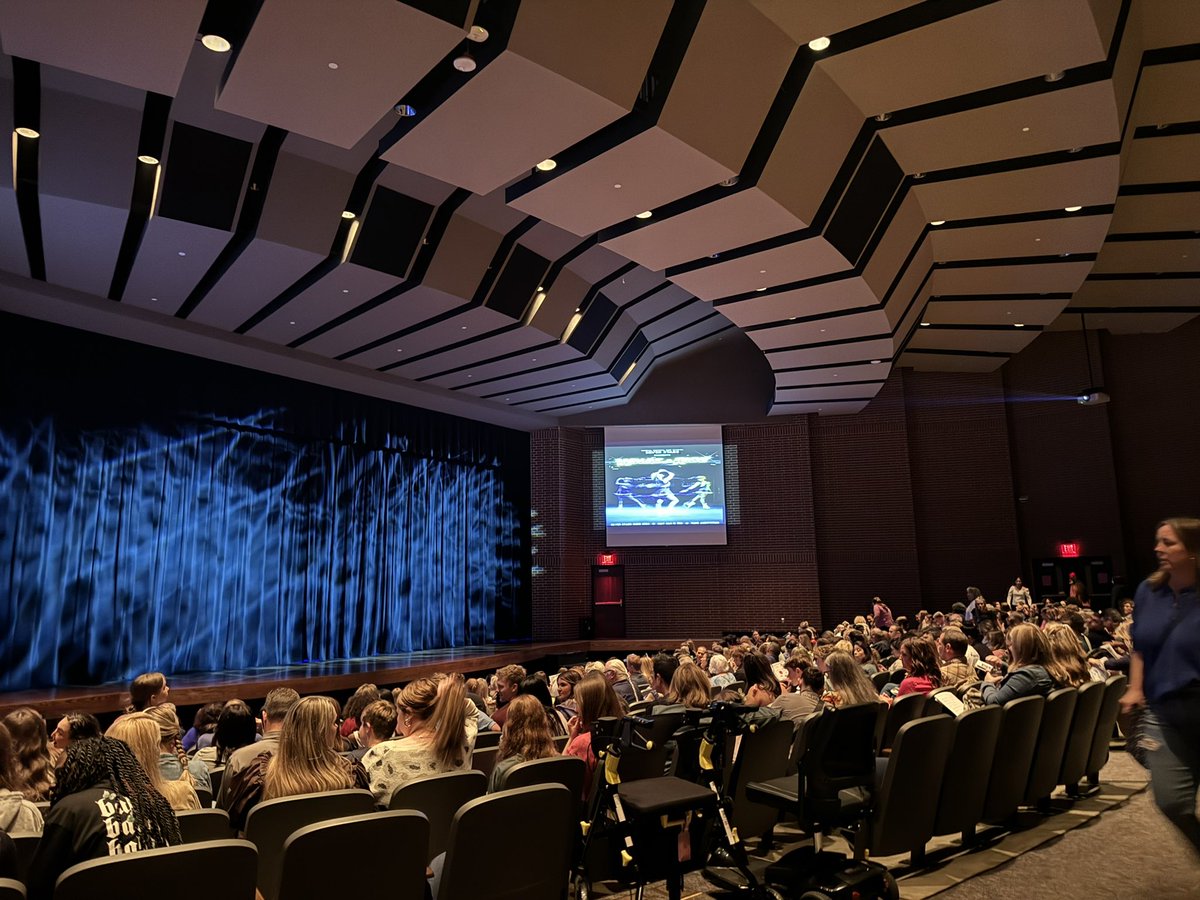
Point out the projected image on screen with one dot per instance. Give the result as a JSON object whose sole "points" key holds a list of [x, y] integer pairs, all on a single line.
{"points": [[664, 485]]}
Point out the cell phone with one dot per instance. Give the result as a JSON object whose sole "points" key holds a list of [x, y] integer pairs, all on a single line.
{"points": [[984, 667]]}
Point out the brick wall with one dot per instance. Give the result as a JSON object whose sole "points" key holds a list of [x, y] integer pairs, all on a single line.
{"points": [[914, 498]]}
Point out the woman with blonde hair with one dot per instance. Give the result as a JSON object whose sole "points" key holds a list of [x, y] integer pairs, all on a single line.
{"points": [[526, 736], [307, 761], [438, 724], [846, 684], [141, 734], [31, 747], [173, 761], [1066, 663], [718, 667], [1027, 675], [691, 687]]}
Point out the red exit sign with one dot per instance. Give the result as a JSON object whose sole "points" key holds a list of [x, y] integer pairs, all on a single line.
{"points": [[607, 559], [1069, 550]]}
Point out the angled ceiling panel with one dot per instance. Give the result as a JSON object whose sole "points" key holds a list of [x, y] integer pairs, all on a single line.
{"points": [[794, 261], [350, 65], [161, 279], [257, 276], [342, 290], [141, 43]]}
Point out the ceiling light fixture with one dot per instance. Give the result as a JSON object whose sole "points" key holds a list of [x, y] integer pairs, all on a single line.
{"points": [[938, 222], [148, 160], [883, 117], [183, 253], [1018, 324], [1072, 208], [347, 214], [617, 186], [1026, 128], [644, 215], [404, 111], [924, 324], [28, 133], [876, 362], [332, 65], [546, 165], [465, 62], [478, 34], [216, 43], [1054, 76], [730, 181], [819, 44]]}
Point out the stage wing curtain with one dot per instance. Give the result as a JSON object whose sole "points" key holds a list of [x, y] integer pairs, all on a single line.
{"points": [[134, 549]]}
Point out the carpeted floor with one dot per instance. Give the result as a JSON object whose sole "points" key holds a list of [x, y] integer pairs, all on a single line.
{"points": [[1111, 847]]}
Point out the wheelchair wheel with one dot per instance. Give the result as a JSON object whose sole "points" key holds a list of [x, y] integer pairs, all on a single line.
{"points": [[583, 890], [891, 890]]}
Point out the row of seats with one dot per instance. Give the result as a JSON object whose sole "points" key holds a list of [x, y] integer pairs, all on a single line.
{"points": [[942, 775], [295, 839]]}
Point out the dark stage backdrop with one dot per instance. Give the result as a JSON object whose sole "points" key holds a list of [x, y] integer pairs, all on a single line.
{"points": [[162, 512]]}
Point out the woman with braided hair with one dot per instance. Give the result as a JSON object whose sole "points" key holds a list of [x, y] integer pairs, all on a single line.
{"points": [[173, 761], [103, 805], [141, 733]]}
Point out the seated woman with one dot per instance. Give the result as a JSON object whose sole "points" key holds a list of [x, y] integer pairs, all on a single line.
{"points": [[1027, 675], [31, 748], [365, 695], [306, 761], [172, 760], [690, 687], [71, 727], [141, 733], [205, 723], [538, 689], [235, 729], [526, 736], [846, 684], [438, 723], [17, 815], [565, 689], [147, 690], [1066, 663], [919, 656], [597, 700], [718, 667], [762, 687], [807, 684], [104, 805]]}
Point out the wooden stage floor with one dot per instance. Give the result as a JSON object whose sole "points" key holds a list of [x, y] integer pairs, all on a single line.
{"points": [[322, 677]]}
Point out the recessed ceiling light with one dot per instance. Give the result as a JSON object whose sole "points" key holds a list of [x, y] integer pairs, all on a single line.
{"points": [[333, 65], [793, 319], [183, 253], [345, 290], [478, 34], [399, 349], [876, 362], [153, 299], [470, 376], [822, 331], [462, 327], [760, 290], [148, 160], [819, 44], [347, 214], [1072, 208], [730, 181], [1064, 254], [1018, 324], [617, 186], [1026, 128], [835, 375], [465, 63], [546, 165], [533, 359], [883, 117], [924, 324], [1054, 76], [714, 255], [405, 111], [1037, 240], [1074, 149], [292, 322], [917, 176], [215, 43], [938, 222], [644, 215], [762, 271], [27, 132]]}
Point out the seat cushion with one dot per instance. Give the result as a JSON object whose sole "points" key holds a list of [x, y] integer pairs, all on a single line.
{"points": [[655, 796]]}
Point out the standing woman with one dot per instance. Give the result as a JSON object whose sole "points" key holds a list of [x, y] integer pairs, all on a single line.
{"points": [[31, 745], [1164, 672]]}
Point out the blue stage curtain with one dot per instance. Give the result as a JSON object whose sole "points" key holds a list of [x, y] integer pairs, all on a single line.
{"points": [[200, 542]]}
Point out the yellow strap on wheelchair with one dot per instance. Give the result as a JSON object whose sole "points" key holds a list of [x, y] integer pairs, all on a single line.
{"points": [[753, 728], [585, 827], [626, 858], [706, 751]]}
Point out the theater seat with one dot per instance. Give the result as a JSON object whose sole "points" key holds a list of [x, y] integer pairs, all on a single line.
{"points": [[1106, 723], [219, 868], [1051, 742], [438, 798], [968, 769], [311, 855], [11, 889], [1083, 731], [906, 801], [1014, 753]]}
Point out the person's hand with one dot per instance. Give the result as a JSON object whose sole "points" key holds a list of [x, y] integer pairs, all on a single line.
{"points": [[572, 728], [1132, 699], [993, 677]]}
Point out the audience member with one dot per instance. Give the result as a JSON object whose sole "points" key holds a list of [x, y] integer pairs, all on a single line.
{"points": [[1065, 661], [378, 725], [919, 656], [149, 689], [690, 687], [235, 729], [596, 700], [952, 646], [276, 707], [1027, 673], [438, 724], [31, 749], [845, 682], [363, 695], [508, 685], [204, 723], [71, 727], [526, 736], [104, 805], [141, 733], [172, 760], [17, 815], [618, 677], [665, 666], [807, 684]]}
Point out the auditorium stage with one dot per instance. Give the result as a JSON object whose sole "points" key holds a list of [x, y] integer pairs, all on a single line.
{"points": [[321, 677]]}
